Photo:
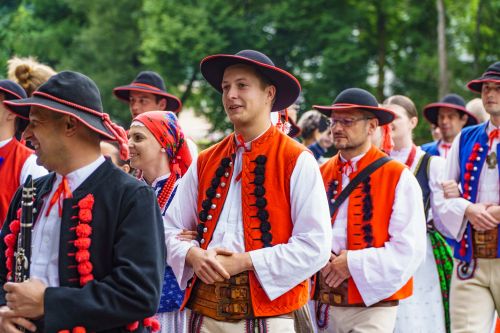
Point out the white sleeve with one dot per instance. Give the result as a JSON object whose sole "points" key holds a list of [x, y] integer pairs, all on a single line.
{"points": [[440, 205], [181, 214], [282, 267], [380, 272], [193, 148], [452, 211], [31, 168]]}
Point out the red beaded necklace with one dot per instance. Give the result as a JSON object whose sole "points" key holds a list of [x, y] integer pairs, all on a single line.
{"points": [[166, 191]]}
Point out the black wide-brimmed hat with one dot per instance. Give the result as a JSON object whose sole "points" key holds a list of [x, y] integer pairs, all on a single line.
{"points": [[357, 99], [12, 90], [452, 101], [148, 82], [287, 86], [74, 94], [492, 74]]}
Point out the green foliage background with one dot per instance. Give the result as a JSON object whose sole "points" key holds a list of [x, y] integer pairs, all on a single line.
{"points": [[329, 45]]}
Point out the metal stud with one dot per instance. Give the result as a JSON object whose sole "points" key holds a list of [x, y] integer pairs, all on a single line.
{"points": [[481, 149], [475, 168], [478, 158], [332, 201], [226, 174], [213, 206], [202, 241], [205, 229], [217, 195], [209, 217], [222, 184], [472, 178]]}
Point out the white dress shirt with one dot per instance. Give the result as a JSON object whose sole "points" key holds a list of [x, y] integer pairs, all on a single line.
{"points": [[47, 229], [380, 272], [278, 268], [488, 190]]}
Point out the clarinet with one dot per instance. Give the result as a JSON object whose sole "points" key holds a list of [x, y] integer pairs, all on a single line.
{"points": [[23, 253]]}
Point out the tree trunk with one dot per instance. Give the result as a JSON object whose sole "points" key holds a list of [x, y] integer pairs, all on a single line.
{"points": [[381, 48], [477, 40], [443, 63]]}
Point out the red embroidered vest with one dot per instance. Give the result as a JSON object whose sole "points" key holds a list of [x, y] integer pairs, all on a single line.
{"points": [[266, 207], [12, 156], [369, 209]]}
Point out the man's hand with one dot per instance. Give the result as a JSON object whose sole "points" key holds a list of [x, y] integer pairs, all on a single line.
{"points": [[236, 262], [9, 323], [479, 217], [26, 299], [205, 264], [187, 235], [336, 271], [450, 189]]}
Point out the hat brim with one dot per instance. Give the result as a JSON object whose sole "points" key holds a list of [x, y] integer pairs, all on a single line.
{"points": [[383, 115], [431, 113], [477, 85], [287, 86], [21, 107], [123, 93], [12, 94]]}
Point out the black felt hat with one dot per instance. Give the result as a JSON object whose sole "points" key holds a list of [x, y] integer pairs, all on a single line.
{"points": [[492, 74], [287, 86], [12, 90], [452, 101], [356, 98], [148, 82]]}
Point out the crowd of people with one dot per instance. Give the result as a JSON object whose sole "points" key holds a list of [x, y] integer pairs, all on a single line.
{"points": [[134, 230]]}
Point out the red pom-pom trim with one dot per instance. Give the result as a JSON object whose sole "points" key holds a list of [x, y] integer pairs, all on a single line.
{"points": [[15, 226], [82, 255], [83, 230], [155, 327], [132, 326], [9, 252], [86, 279], [83, 243], [85, 268], [79, 329], [87, 202], [10, 240], [85, 215], [147, 322]]}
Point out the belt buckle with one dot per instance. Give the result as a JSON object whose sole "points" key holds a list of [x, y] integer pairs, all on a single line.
{"points": [[231, 292], [228, 308]]}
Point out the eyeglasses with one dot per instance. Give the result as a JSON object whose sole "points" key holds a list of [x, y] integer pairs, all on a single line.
{"points": [[348, 122]]}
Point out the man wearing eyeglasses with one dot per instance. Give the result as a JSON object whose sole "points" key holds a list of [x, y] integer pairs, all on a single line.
{"points": [[377, 221]]}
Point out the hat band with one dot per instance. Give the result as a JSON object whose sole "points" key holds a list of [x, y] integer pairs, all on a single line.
{"points": [[492, 73], [147, 86], [10, 92], [351, 105], [62, 101]]}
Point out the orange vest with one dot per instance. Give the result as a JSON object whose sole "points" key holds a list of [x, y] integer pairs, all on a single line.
{"points": [[12, 155], [369, 209], [265, 182]]}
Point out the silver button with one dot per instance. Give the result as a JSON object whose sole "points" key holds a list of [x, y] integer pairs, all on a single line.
{"points": [[189, 285], [335, 182], [478, 158], [222, 184], [205, 229], [472, 178], [466, 246], [226, 174], [335, 192], [217, 195], [466, 236], [469, 197], [209, 217], [470, 188], [481, 149], [475, 168], [332, 200], [202, 241], [213, 206], [230, 164]]}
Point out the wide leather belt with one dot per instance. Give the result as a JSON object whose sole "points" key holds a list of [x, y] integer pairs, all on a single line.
{"points": [[485, 243], [227, 301], [338, 296]]}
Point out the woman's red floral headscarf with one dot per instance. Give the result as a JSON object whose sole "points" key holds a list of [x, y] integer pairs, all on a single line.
{"points": [[165, 127]]}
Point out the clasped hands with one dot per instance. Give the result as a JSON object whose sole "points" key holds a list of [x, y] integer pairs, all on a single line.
{"points": [[482, 216], [217, 264], [337, 270], [25, 301]]}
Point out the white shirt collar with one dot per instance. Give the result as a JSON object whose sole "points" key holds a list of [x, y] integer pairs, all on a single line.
{"points": [[77, 177], [5, 142]]}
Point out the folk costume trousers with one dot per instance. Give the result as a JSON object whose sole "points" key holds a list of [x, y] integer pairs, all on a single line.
{"points": [[203, 324]]}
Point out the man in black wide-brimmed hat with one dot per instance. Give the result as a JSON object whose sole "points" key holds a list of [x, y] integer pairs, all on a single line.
{"points": [[86, 274], [257, 203], [146, 93], [378, 242], [450, 115], [473, 219]]}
